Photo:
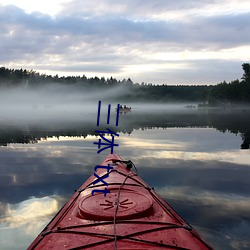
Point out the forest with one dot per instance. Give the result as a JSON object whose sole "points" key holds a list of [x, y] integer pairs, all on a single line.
{"points": [[224, 93]]}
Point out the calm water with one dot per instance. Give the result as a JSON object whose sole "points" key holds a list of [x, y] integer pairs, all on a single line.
{"points": [[193, 158]]}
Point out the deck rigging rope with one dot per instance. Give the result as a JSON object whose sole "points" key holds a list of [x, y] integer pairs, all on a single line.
{"points": [[129, 164]]}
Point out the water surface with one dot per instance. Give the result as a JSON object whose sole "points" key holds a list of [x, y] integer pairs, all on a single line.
{"points": [[193, 158]]}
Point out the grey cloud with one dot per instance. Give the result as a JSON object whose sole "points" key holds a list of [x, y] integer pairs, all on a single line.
{"points": [[209, 71], [98, 39], [217, 31], [85, 68], [134, 8], [220, 31]]}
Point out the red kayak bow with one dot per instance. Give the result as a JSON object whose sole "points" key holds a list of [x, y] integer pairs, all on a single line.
{"points": [[131, 216]]}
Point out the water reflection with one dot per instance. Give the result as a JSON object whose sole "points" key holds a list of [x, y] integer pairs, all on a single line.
{"points": [[193, 161], [233, 121], [20, 222], [28, 211]]}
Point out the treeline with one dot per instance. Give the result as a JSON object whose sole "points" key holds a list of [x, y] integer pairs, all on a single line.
{"points": [[234, 92], [237, 91]]}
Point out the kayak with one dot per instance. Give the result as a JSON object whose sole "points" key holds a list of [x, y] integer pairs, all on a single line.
{"points": [[116, 209]]}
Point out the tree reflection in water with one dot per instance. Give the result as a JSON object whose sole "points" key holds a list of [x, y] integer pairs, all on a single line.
{"points": [[233, 121]]}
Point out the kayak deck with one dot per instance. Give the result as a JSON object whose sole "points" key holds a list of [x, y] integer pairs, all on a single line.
{"points": [[131, 216]]}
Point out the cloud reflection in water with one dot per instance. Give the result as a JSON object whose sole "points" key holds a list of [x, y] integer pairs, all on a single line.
{"points": [[199, 171], [25, 220]]}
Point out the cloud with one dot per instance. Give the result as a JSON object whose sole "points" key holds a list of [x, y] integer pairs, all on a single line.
{"points": [[144, 10], [94, 38], [115, 30]]}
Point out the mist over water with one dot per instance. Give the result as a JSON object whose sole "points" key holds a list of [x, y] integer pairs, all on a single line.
{"points": [[59, 107], [61, 102], [45, 103]]}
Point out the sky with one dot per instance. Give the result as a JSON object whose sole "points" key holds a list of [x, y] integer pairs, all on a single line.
{"points": [[153, 41]]}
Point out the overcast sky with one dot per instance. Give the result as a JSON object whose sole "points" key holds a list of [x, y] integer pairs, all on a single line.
{"points": [[157, 41]]}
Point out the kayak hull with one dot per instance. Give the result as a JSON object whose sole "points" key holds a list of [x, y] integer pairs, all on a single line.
{"points": [[130, 216]]}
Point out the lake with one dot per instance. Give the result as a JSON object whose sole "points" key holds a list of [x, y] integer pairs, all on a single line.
{"points": [[198, 160]]}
